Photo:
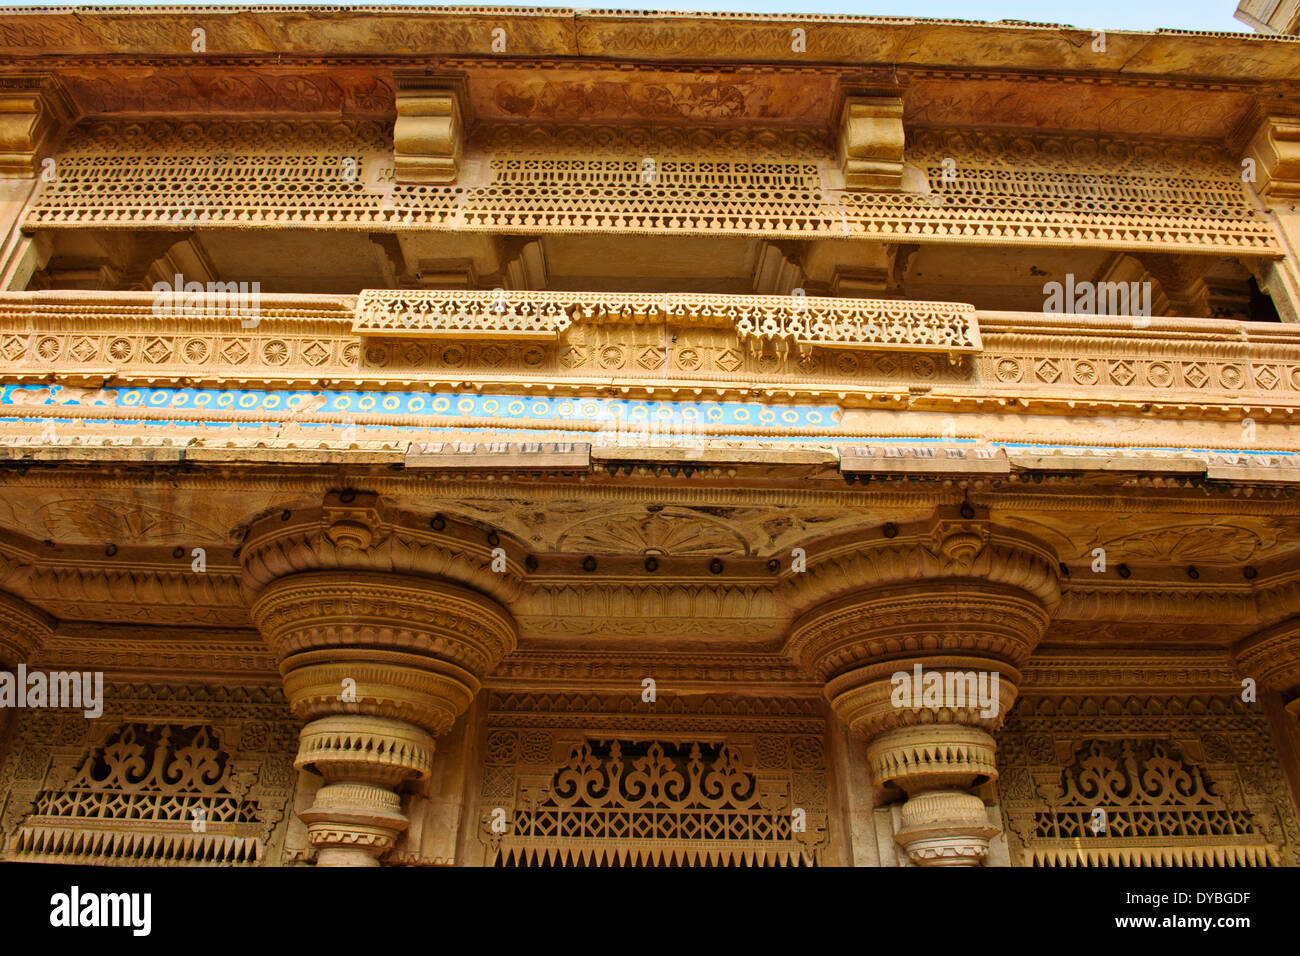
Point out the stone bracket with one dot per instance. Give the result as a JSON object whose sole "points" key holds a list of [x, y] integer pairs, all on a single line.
{"points": [[871, 142], [429, 133], [33, 108], [1275, 148]]}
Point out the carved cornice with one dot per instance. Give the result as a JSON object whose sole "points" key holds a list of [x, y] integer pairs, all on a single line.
{"points": [[81, 586], [132, 652], [627, 35], [1183, 672], [671, 711], [744, 610], [541, 669]]}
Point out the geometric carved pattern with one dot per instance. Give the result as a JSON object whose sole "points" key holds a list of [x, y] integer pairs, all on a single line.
{"points": [[1146, 792], [652, 802], [1186, 194], [851, 323], [172, 775], [1182, 781], [335, 175], [138, 798], [587, 780]]}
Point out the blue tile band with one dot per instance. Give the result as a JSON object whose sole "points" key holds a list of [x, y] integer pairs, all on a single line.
{"points": [[434, 405]]}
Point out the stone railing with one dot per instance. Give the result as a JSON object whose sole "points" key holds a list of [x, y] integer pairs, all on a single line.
{"points": [[728, 347], [840, 323]]}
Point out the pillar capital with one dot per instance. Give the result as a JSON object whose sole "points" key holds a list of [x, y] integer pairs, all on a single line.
{"points": [[1272, 658], [23, 629], [919, 639], [358, 531], [378, 653]]}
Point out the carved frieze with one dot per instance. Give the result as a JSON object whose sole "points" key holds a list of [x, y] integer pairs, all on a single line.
{"points": [[1179, 782], [169, 775], [707, 780], [698, 193]]}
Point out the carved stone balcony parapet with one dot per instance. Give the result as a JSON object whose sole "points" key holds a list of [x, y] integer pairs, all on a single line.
{"points": [[881, 324], [456, 314]]}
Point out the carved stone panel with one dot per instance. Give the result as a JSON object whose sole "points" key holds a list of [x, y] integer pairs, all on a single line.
{"points": [[1100, 781], [168, 776], [665, 784]]}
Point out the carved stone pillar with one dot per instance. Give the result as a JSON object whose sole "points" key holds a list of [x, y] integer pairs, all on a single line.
{"points": [[382, 642], [921, 657]]}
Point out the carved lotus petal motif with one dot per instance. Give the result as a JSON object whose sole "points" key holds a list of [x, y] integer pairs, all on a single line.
{"points": [[350, 535], [961, 548]]}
